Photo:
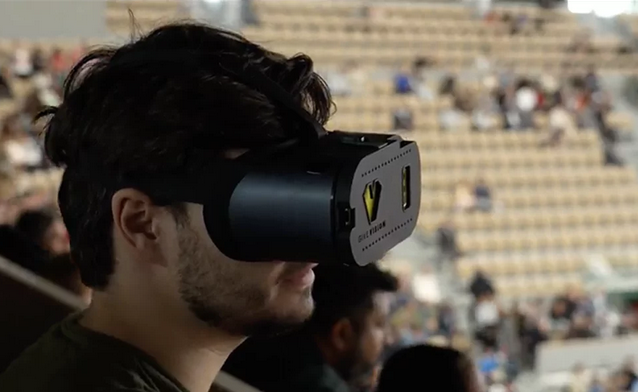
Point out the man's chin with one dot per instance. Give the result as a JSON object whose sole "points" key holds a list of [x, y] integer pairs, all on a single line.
{"points": [[272, 328], [279, 325]]}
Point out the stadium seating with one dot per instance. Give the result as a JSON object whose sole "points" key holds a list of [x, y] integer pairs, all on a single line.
{"points": [[552, 204], [392, 34], [147, 14]]}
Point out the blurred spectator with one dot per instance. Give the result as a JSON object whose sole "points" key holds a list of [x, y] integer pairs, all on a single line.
{"points": [[490, 363], [596, 384], [518, 24], [506, 76], [23, 66], [447, 370], [446, 241], [425, 286], [627, 381], [339, 80], [58, 66], [600, 102], [481, 285], [560, 315], [509, 108], [447, 86], [450, 119], [395, 340], [413, 81], [629, 365], [446, 320], [483, 114], [78, 52], [45, 230], [16, 201], [483, 196], [433, 333], [592, 82], [531, 330], [21, 149], [580, 379], [248, 14], [9, 210], [403, 83], [561, 124], [402, 119], [487, 317], [422, 89], [573, 316], [44, 91], [526, 99], [20, 249], [464, 197], [37, 58], [581, 327], [5, 87], [339, 347], [483, 62]]}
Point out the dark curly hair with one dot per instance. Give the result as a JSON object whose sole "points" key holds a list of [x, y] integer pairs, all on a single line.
{"points": [[143, 107]]}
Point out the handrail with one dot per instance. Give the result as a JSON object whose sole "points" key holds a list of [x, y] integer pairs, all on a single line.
{"points": [[40, 284]]}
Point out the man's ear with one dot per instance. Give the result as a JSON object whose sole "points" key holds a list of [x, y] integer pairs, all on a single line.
{"points": [[133, 216], [342, 335]]}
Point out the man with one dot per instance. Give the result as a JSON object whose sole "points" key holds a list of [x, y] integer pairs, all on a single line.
{"points": [[487, 318], [481, 285], [168, 307], [338, 349], [46, 230], [446, 240], [447, 370]]}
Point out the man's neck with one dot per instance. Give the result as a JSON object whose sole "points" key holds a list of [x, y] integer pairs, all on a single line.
{"points": [[184, 347]]}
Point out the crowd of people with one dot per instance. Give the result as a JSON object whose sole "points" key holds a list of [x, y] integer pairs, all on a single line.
{"points": [[32, 233], [558, 107], [621, 379], [576, 314]]}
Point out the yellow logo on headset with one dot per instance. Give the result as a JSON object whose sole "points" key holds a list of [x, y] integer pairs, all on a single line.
{"points": [[371, 199]]}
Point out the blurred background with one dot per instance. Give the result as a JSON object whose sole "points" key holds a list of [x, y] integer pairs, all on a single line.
{"points": [[526, 255]]}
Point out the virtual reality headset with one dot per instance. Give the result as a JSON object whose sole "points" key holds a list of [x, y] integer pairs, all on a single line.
{"points": [[323, 197]]}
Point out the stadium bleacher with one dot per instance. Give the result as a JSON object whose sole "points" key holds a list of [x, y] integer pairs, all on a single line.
{"points": [[539, 190]]}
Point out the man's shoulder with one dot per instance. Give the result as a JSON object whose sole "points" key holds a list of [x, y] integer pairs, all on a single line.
{"points": [[52, 367], [318, 378], [61, 362]]}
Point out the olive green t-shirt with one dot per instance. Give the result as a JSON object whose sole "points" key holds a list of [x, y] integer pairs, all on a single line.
{"points": [[71, 358]]}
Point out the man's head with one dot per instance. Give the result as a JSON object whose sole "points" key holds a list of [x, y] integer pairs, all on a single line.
{"points": [[142, 110], [349, 322], [447, 369]]}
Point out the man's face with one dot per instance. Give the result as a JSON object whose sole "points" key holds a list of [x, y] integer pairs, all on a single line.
{"points": [[240, 298], [371, 339]]}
